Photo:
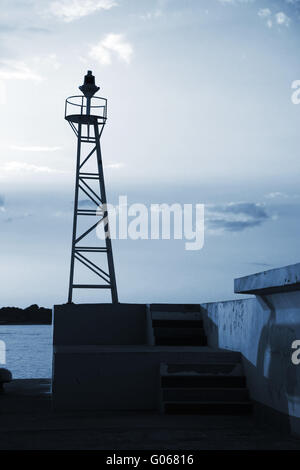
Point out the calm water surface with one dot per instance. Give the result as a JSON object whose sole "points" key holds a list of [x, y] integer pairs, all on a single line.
{"points": [[28, 350]]}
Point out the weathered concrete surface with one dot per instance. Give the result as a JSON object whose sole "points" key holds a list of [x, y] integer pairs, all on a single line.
{"points": [[84, 324], [284, 279], [119, 377], [28, 422], [263, 329]]}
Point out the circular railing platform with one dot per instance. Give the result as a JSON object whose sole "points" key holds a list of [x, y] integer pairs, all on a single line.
{"points": [[78, 109]]}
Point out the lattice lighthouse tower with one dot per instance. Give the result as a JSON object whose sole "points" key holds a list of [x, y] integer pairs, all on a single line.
{"points": [[87, 116]]}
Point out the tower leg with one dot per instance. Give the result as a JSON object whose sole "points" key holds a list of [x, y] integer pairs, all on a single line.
{"points": [[110, 261], [75, 215]]}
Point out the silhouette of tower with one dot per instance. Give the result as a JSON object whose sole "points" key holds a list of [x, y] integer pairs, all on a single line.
{"points": [[87, 115]]}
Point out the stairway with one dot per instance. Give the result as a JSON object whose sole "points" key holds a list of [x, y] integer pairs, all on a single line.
{"points": [[214, 385], [178, 328], [204, 388]]}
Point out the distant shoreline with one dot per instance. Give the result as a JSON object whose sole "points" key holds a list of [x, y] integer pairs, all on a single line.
{"points": [[32, 315]]}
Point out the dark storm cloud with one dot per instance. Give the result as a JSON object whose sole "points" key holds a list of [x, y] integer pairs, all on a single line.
{"points": [[249, 208], [233, 226], [235, 217]]}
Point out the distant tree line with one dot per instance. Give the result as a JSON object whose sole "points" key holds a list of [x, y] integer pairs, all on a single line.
{"points": [[33, 315]]}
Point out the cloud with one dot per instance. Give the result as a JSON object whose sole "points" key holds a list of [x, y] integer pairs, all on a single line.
{"points": [[111, 44], [34, 148], [279, 18], [276, 194], [235, 217], [280, 195], [264, 12], [17, 70], [11, 69], [282, 19], [21, 167], [70, 10]]}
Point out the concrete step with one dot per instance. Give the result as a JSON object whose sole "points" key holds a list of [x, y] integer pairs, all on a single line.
{"points": [[181, 341], [231, 368], [178, 332], [185, 308], [206, 355], [205, 394], [169, 315], [203, 381], [208, 408], [178, 323]]}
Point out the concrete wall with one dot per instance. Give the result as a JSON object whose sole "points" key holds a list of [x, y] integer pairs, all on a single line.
{"points": [[263, 328], [92, 324], [117, 378]]}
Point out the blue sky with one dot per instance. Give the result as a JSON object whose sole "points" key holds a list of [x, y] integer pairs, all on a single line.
{"points": [[200, 111]]}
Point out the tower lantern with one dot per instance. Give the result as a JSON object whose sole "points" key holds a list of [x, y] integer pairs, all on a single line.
{"points": [[87, 116]]}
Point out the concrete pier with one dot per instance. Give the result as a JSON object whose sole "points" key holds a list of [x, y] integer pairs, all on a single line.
{"points": [[105, 356]]}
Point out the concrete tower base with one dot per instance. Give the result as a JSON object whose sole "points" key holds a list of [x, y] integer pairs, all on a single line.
{"points": [[85, 374]]}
